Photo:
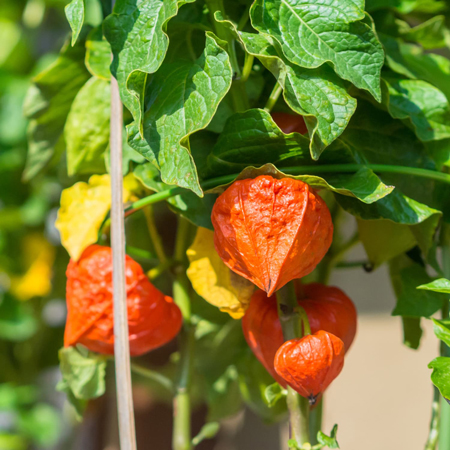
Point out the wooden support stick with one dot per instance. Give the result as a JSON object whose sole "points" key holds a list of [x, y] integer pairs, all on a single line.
{"points": [[121, 345]]}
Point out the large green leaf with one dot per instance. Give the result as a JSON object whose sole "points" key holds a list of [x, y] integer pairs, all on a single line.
{"points": [[183, 98], [441, 375], [412, 302], [430, 34], [411, 61], [317, 94], [75, 16], [47, 105], [312, 33], [98, 54], [252, 139], [87, 128], [441, 285], [425, 106], [195, 209], [136, 31], [412, 332], [396, 207]]}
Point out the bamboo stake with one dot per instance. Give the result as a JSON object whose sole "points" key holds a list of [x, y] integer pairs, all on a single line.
{"points": [[121, 345]]}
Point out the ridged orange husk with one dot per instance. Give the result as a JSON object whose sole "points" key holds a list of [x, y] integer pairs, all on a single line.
{"points": [[311, 363], [271, 231], [153, 318], [327, 307]]}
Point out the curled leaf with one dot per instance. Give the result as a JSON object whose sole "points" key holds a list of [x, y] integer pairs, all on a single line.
{"points": [[213, 280]]}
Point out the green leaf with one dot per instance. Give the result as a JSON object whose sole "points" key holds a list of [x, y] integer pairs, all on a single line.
{"points": [[329, 441], [442, 330], [412, 302], [87, 128], [430, 34], [317, 94], [412, 332], [311, 35], [273, 393], [384, 239], [98, 54], [17, 322], [136, 31], [425, 106], [47, 105], [441, 285], [83, 375], [189, 205], [75, 16], [400, 209], [252, 139], [12, 442], [42, 424], [184, 98], [208, 431], [411, 61], [441, 375]]}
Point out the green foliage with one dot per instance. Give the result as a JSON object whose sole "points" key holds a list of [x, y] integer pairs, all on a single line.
{"points": [[83, 375], [17, 322], [441, 285], [329, 441], [75, 16], [441, 375]]}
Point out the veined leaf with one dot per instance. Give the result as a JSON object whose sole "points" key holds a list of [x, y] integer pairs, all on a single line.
{"points": [[75, 16], [441, 285], [136, 31], [252, 139], [317, 94], [87, 128], [213, 280], [183, 98], [441, 375], [47, 105], [83, 209], [98, 54], [430, 34], [424, 105], [411, 61], [312, 33]]}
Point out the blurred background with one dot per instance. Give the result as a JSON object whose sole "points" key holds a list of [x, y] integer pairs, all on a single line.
{"points": [[382, 398]]}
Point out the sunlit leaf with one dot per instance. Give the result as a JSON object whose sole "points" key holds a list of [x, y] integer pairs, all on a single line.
{"points": [[136, 31], [441, 375], [441, 285], [213, 280], [311, 35], [98, 54]]}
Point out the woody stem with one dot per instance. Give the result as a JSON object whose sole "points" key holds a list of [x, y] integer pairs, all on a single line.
{"points": [[181, 439], [290, 320]]}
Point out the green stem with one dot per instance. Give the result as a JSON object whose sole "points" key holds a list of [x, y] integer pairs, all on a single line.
{"points": [[182, 439], [315, 421], [433, 435], [153, 376], [298, 406], [154, 235], [273, 98], [444, 421], [247, 69]]}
